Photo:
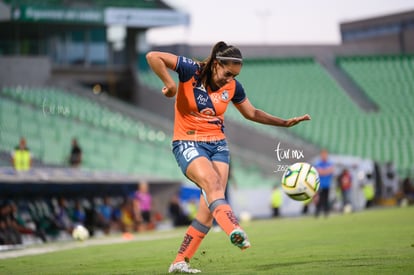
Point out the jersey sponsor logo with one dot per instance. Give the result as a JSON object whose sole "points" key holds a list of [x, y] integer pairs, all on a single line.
{"points": [[225, 95], [222, 97], [208, 112], [202, 100], [222, 148]]}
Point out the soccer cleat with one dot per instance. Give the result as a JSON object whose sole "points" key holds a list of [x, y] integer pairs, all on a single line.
{"points": [[239, 238], [182, 267]]}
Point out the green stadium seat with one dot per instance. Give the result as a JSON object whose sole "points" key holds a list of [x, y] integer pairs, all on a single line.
{"points": [[388, 81]]}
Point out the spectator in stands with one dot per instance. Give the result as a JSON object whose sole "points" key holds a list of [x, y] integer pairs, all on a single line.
{"points": [[117, 215], [63, 216], [345, 184], [21, 157], [15, 226], [105, 213], [368, 190], [143, 206], [129, 220], [75, 158], [89, 211], [9, 233], [325, 169], [79, 213], [390, 180], [276, 201], [192, 208], [42, 214], [408, 191], [176, 212], [199, 144]]}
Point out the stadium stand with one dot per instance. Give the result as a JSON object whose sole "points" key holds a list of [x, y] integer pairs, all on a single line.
{"points": [[389, 81]]}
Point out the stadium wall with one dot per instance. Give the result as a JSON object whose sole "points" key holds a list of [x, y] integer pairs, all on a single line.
{"points": [[19, 70], [409, 40]]}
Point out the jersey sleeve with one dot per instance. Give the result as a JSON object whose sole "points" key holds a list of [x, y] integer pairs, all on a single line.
{"points": [[239, 94], [185, 68]]}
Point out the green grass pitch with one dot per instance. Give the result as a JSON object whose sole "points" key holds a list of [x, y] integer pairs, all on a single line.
{"points": [[377, 241]]}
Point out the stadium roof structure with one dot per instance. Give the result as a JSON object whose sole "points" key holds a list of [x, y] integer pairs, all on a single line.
{"points": [[139, 13], [394, 29]]}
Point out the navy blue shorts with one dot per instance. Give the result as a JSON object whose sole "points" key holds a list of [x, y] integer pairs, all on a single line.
{"points": [[185, 151]]}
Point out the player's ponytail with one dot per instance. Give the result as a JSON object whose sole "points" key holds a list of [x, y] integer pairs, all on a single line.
{"points": [[220, 47], [227, 54]]}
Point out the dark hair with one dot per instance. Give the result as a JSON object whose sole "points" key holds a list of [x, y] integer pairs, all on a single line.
{"points": [[224, 54]]}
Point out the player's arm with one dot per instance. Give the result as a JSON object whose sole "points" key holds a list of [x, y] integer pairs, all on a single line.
{"points": [[256, 115], [160, 62], [326, 171]]}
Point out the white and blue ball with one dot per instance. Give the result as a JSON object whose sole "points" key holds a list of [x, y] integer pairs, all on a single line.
{"points": [[300, 181]]}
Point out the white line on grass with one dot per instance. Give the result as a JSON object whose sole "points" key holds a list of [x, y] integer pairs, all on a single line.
{"points": [[65, 245]]}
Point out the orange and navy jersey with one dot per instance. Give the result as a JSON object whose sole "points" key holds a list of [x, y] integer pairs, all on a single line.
{"points": [[199, 111]]}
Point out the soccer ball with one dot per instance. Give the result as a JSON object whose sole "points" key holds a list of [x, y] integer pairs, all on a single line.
{"points": [[80, 233], [300, 181]]}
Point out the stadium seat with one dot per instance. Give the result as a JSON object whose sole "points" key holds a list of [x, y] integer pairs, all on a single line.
{"points": [[389, 82]]}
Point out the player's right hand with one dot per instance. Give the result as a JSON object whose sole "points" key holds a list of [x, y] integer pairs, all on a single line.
{"points": [[169, 92]]}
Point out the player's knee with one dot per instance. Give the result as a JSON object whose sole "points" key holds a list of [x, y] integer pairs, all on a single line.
{"points": [[213, 185]]}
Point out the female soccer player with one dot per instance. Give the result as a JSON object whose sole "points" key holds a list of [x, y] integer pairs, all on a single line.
{"points": [[199, 143]]}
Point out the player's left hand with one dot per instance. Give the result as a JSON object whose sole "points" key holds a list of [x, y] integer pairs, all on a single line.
{"points": [[293, 121]]}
